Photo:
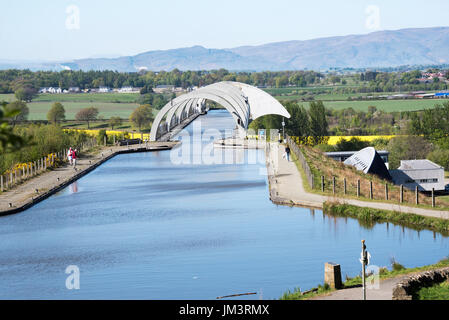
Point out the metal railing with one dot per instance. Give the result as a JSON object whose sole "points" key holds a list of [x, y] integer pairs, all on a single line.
{"points": [[302, 160]]}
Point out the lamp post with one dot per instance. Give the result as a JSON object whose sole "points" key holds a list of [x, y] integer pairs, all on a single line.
{"points": [[283, 129]]}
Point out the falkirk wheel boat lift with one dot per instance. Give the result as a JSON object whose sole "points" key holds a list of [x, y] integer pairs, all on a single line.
{"points": [[245, 103]]}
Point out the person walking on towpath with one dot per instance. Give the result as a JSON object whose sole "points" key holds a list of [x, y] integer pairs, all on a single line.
{"points": [[69, 155], [74, 156], [287, 153]]}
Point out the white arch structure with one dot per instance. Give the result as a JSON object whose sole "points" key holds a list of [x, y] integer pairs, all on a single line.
{"points": [[244, 102]]}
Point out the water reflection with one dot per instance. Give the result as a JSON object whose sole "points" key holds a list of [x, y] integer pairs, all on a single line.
{"points": [[73, 187], [139, 227]]}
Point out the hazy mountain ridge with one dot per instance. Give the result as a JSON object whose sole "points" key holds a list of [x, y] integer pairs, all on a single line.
{"points": [[421, 46]]}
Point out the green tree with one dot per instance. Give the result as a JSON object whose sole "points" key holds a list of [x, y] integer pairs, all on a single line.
{"points": [[407, 148], [142, 116], [9, 141], [56, 113], [115, 122], [87, 114], [25, 94], [318, 122], [298, 124], [441, 157], [19, 112]]}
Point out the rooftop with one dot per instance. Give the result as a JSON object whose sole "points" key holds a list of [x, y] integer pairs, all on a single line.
{"points": [[350, 153], [423, 164]]}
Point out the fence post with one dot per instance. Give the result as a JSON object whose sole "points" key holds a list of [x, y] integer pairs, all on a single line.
{"points": [[322, 183], [401, 194], [312, 182], [433, 197], [344, 186], [358, 188], [1, 182], [104, 140], [371, 190], [416, 195], [10, 178], [333, 185], [386, 191]]}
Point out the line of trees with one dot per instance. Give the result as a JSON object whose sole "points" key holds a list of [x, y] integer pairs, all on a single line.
{"points": [[303, 122], [12, 80]]}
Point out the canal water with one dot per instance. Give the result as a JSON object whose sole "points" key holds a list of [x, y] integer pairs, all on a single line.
{"points": [[142, 227]]}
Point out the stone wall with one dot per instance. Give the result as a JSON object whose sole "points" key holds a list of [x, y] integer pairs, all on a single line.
{"points": [[405, 289]]}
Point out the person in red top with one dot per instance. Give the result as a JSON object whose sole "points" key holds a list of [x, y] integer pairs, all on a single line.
{"points": [[74, 157]]}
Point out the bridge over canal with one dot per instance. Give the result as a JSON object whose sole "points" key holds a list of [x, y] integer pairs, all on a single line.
{"points": [[244, 102]]}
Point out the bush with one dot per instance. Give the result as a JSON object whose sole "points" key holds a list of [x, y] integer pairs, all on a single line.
{"points": [[441, 157], [43, 140], [101, 135]]}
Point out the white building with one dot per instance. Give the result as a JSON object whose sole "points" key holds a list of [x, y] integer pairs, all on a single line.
{"points": [[423, 174], [127, 89], [104, 89], [74, 89], [50, 90]]}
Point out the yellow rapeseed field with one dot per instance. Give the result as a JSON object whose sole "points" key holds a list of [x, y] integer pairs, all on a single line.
{"points": [[334, 139]]}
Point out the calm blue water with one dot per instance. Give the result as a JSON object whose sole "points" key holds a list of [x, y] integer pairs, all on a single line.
{"points": [[140, 227]]}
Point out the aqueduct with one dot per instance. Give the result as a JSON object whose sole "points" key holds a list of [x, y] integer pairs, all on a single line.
{"points": [[244, 102]]}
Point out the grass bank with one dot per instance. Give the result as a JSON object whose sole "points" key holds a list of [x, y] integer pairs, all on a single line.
{"points": [[369, 217]]}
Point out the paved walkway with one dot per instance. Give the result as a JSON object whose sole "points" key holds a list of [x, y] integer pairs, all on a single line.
{"points": [[287, 188], [384, 292], [47, 183]]}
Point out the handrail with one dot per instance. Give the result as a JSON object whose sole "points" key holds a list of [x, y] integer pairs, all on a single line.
{"points": [[295, 149]]}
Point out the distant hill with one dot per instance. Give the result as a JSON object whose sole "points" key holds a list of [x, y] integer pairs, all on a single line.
{"points": [[424, 46]]}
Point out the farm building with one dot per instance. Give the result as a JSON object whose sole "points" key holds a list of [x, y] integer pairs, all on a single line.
{"points": [[424, 174]]}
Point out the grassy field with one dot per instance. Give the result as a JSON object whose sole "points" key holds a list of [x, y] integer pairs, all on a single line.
{"points": [[89, 97], [38, 110], [122, 104]]}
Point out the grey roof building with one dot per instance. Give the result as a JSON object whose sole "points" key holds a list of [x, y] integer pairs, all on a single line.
{"points": [[423, 174]]}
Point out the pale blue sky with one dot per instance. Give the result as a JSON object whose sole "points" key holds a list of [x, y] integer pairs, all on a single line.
{"points": [[36, 30]]}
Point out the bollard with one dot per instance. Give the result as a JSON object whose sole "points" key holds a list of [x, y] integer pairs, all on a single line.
{"points": [[386, 191], [10, 179], [358, 188], [322, 183], [371, 190], [23, 173], [332, 275], [1, 183], [401, 194], [433, 197], [416, 195], [15, 176]]}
